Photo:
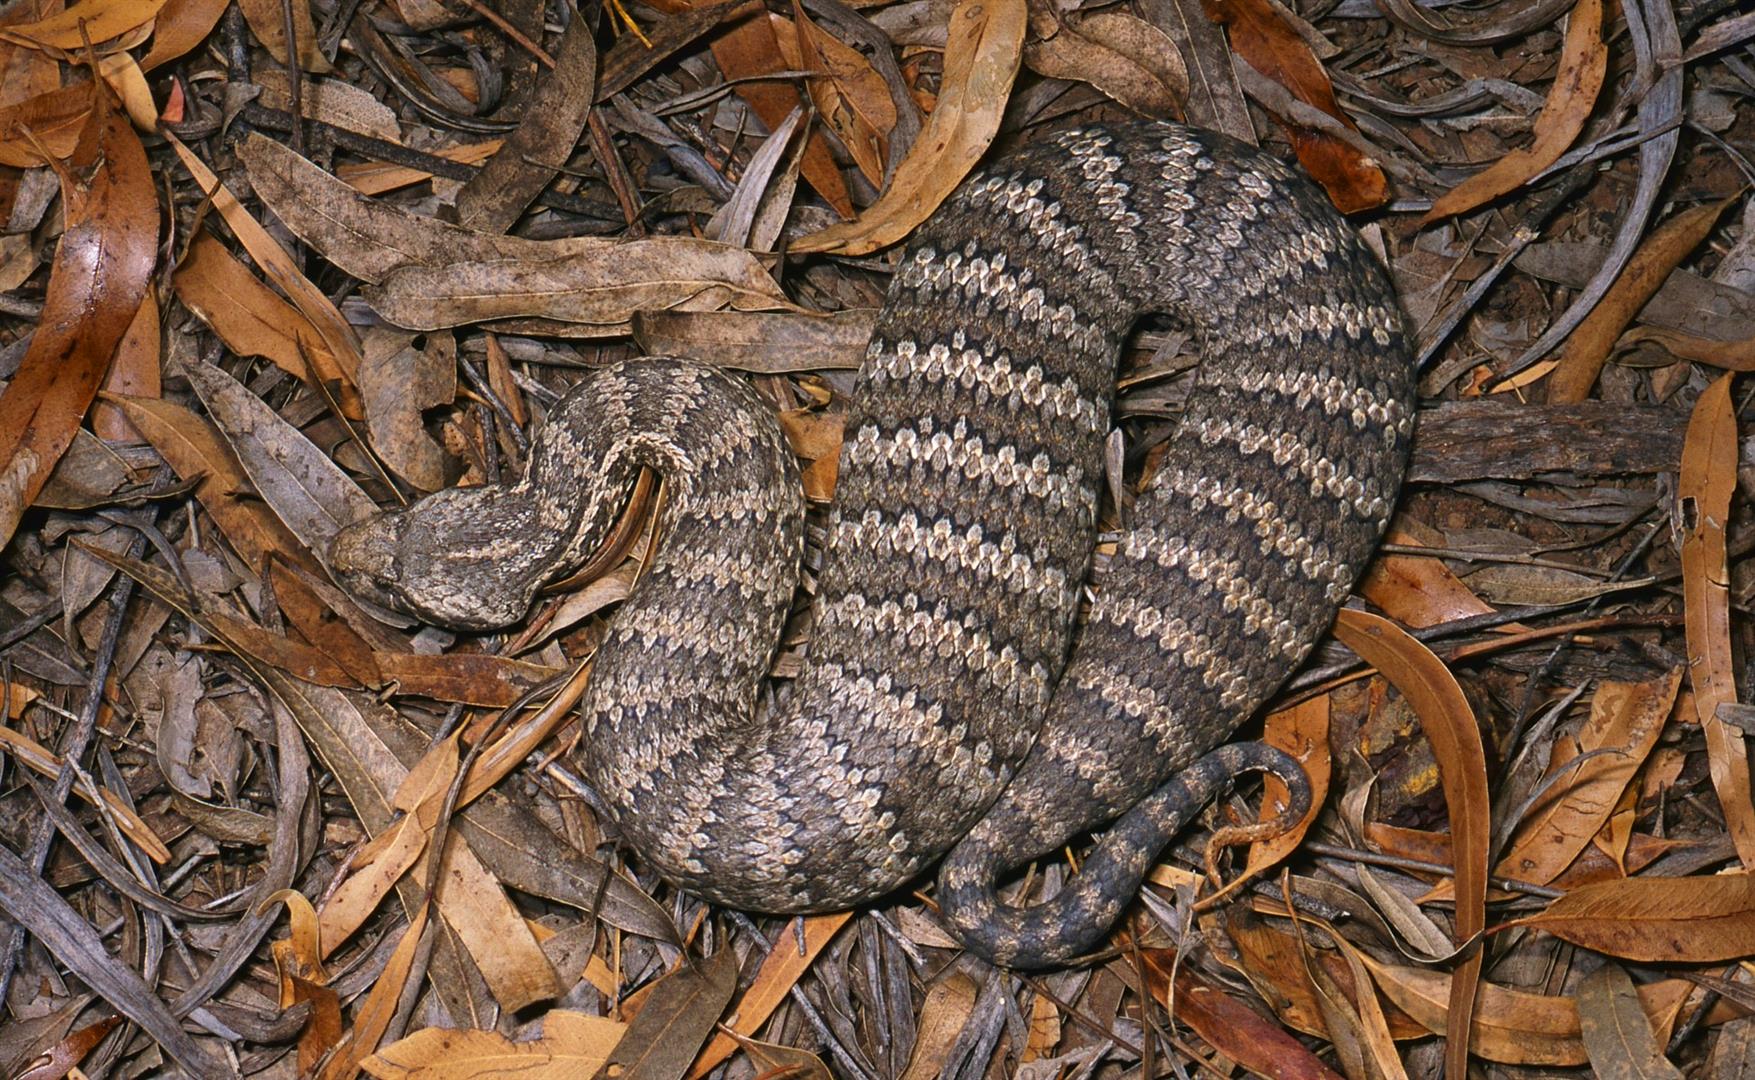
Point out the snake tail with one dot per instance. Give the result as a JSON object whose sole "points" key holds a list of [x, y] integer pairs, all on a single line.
{"points": [[1077, 918]]}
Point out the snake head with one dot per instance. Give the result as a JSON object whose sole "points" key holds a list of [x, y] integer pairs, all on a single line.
{"points": [[442, 560], [363, 556]]}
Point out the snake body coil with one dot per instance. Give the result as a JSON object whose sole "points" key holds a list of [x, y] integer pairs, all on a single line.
{"points": [[937, 707]]}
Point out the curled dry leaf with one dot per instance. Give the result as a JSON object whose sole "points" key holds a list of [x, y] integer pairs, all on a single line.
{"points": [[430, 275], [100, 273], [572, 1045], [1708, 477], [1658, 920], [1584, 60], [1449, 725], [981, 60], [1120, 54]]}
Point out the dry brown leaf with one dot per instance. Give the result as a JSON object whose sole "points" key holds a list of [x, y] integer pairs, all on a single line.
{"points": [[1625, 722], [267, 19], [1510, 1026], [96, 21], [1449, 725], [1269, 45], [572, 1045], [1416, 590], [247, 315], [194, 449], [1582, 357], [949, 1002], [746, 49], [393, 852], [45, 763], [398, 382], [133, 371], [181, 25], [849, 94], [769, 342], [102, 265], [1657, 920], [64, 1057], [374, 1017], [320, 625], [1584, 60], [678, 1014], [1708, 478], [53, 119], [780, 971], [1726, 355], [981, 60], [337, 335], [431, 275], [1120, 54]]}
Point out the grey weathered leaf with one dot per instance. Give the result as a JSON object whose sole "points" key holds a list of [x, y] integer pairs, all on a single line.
{"points": [[1616, 1032]]}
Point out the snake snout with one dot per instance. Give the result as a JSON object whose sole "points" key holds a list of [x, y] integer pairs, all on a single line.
{"points": [[363, 558]]}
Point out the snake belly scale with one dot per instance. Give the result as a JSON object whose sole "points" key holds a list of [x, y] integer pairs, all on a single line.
{"points": [[938, 710]]}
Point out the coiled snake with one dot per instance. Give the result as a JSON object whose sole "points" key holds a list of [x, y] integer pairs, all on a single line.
{"points": [[937, 709]]}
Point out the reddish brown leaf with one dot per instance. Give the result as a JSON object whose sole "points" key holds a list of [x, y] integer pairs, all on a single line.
{"points": [[1264, 40], [746, 50], [1233, 1028], [96, 283], [134, 371], [66, 1055], [1301, 731]]}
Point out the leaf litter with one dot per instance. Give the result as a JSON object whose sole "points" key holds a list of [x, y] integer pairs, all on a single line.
{"points": [[252, 292]]}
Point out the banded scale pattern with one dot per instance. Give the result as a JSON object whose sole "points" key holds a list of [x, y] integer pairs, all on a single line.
{"points": [[937, 710]]}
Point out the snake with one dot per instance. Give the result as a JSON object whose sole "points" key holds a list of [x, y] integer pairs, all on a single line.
{"points": [[972, 694]]}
